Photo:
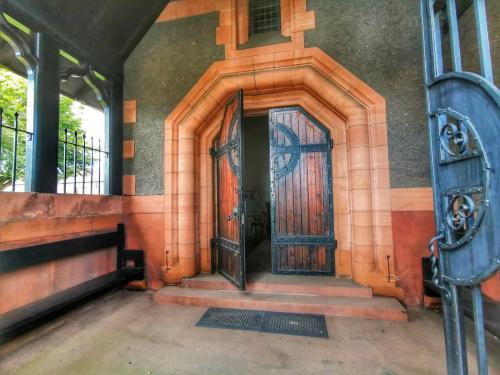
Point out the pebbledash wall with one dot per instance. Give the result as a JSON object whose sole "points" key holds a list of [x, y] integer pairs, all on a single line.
{"points": [[378, 42]]}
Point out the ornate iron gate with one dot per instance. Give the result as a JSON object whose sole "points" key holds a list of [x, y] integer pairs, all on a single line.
{"points": [[230, 210], [301, 193], [464, 130]]}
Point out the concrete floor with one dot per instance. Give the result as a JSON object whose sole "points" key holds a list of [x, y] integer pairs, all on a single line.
{"points": [[126, 333]]}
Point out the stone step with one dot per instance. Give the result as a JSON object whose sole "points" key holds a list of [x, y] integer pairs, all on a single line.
{"points": [[380, 308], [290, 284]]}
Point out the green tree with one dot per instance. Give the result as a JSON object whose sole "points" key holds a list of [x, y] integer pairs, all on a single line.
{"points": [[13, 99], [70, 123]]}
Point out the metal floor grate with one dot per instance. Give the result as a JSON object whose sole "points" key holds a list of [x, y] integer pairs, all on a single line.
{"points": [[265, 321]]}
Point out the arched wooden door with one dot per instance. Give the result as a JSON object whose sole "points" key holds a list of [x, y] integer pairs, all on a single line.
{"points": [[230, 211], [301, 193]]}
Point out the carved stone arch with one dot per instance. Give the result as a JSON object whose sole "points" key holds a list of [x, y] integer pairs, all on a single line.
{"points": [[353, 112]]}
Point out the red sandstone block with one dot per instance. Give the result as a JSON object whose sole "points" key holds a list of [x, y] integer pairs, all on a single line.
{"points": [[129, 185], [129, 111]]}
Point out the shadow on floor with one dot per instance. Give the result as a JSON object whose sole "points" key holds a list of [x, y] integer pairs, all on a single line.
{"points": [[258, 259]]}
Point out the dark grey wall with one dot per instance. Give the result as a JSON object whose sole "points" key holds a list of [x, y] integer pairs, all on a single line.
{"points": [[379, 41], [159, 73]]}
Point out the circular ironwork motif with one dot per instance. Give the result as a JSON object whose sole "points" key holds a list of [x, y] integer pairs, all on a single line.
{"points": [[290, 150], [460, 208], [233, 154], [451, 134]]}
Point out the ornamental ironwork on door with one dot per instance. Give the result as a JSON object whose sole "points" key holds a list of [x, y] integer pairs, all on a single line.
{"points": [[464, 130], [229, 241], [302, 234]]}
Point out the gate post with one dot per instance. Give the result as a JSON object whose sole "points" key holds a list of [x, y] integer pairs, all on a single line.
{"points": [[464, 129]]}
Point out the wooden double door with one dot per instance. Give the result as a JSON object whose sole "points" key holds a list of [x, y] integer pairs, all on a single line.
{"points": [[302, 235]]}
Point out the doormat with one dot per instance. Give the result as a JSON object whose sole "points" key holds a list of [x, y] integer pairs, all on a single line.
{"points": [[310, 325]]}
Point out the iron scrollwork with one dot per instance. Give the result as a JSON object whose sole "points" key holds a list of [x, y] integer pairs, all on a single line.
{"points": [[462, 207], [292, 150], [229, 245], [451, 133], [460, 210], [456, 137], [234, 214], [464, 159], [233, 155], [231, 148], [463, 212], [435, 266]]}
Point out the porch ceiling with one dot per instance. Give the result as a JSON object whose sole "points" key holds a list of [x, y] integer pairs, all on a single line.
{"points": [[102, 33]]}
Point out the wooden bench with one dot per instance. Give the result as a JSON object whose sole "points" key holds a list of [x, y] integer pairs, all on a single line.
{"points": [[129, 267]]}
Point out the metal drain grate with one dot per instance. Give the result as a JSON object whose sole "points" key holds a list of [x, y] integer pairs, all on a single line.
{"points": [[265, 321]]}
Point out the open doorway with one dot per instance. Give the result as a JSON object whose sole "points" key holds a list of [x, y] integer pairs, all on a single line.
{"points": [[257, 194], [273, 175]]}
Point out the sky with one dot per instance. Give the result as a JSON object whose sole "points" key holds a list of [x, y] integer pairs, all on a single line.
{"points": [[92, 120]]}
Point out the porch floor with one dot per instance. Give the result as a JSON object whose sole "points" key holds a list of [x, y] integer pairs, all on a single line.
{"points": [[127, 333]]}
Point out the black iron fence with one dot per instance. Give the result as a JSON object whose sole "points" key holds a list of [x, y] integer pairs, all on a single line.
{"points": [[81, 164], [13, 141]]}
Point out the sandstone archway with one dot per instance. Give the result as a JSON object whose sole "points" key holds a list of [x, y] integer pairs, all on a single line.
{"points": [[353, 112]]}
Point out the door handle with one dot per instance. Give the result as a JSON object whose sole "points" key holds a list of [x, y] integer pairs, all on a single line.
{"points": [[234, 214]]}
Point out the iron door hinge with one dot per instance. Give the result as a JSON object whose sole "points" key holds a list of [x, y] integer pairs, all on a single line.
{"points": [[213, 255], [331, 143], [212, 152]]}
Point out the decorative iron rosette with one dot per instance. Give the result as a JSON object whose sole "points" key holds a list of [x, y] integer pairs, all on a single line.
{"points": [[461, 154]]}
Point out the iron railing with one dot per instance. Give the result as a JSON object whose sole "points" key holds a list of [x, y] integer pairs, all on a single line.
{"points": [[81, 170], [10, 156], [81, 166]]}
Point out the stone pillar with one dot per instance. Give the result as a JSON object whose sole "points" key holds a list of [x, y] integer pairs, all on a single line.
{"points": [[184, 262], [363, 238]]}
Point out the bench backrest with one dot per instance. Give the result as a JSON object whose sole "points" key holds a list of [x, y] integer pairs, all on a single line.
{"points": [[14, 259]]}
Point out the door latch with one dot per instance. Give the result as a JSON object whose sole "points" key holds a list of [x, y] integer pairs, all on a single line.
{"points": [[234, 214]]}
